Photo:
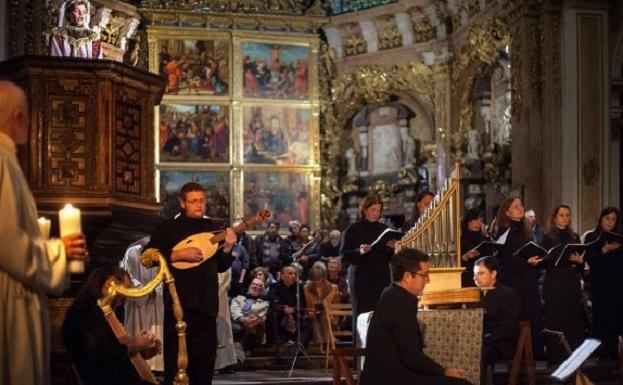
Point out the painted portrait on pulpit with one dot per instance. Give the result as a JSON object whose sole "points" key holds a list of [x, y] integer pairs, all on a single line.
{"points": [[215, 183], [194, 67], [276, 135], [275, 71], [285, 194], [193, 133]]}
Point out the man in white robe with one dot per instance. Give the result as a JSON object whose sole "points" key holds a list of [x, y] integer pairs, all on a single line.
{"points": [[30, 266], [143, 313]]}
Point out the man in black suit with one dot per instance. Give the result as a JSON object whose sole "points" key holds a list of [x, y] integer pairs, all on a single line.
{"points": [[501, 305], [394, 346]]}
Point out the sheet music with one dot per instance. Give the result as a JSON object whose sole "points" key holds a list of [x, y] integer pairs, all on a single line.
{"points": [[576, 359], [502, 238]]}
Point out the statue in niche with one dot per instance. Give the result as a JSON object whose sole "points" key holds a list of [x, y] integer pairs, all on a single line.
{"points": [[505, 128], [73, 37], [408, 147], [473, 144], [351, 161]]}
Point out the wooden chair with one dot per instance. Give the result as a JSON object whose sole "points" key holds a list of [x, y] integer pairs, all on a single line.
{"points": [[340, 364], [333, 311], [523, 352]]}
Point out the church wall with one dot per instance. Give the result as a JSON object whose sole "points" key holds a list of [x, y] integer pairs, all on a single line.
{"points": [[588, 149]]}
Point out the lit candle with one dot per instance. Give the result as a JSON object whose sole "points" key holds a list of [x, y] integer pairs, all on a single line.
{"points": [[69, 223], [44, 227]]}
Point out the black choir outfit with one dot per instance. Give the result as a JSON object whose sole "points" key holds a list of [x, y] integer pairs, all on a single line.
{"points": [[368, 274], [518, 274], [500, 324], [606, 286], [469, 240], [562, 293], [94, 349], [197, 289], [395, 348]]}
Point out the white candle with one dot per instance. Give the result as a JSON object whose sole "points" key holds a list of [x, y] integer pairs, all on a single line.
{"points": [[44, 227], [69, 223]]}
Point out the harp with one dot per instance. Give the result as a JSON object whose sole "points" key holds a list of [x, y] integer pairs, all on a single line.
{"points": [[149, 258], [438, 233]]}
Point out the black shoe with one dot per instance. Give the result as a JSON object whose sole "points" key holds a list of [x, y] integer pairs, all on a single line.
{"points": [[227, 370]]}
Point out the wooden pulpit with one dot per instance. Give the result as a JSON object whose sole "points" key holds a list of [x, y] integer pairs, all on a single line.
{"points": [[91, 144]]}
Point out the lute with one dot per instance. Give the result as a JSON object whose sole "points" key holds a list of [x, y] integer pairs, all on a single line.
{"points": [[208, 242]]}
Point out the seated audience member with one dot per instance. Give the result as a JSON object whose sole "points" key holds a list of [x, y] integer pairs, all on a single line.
{"points": [[94, 349], [501, 305], [330, 247], [272, 251], [283, 313], [394, 344], [263, 274], [318, 292], [248, 314], [336, 276]]}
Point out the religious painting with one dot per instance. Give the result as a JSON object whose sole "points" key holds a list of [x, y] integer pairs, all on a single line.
{"points": [[195, 67], [286, 194], [275, 71], [194, 133], [215, 183], [276, 135]]}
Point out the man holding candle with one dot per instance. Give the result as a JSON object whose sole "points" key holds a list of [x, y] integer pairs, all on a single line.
{"points": [[197, 287], [30, 265]]}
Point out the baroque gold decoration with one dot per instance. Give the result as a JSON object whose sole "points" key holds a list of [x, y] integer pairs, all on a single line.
{"points": [[390, 38], [355, 45], [482, 48], [236, 14], [423, 31], [341, 97]]}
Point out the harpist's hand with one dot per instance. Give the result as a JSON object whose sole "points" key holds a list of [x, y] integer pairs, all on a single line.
{"points": [[189, 254], [75, 247], [454, 372]]}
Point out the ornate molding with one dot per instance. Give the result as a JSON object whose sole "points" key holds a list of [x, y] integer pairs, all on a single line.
{"points": [[482, 47], [341, 97]]}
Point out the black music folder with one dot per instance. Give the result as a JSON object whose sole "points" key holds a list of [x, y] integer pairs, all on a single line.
{"points": [[562, 258], [387, 235], [531, 249], [487, 248], [609, 236]]}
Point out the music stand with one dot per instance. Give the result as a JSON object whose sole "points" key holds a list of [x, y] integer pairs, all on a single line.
{"points": [[299, 344], [573, 364]]}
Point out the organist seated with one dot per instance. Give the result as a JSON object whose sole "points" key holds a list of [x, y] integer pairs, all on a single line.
{"points": [[394, 344], [94, 349], [501, 305]]}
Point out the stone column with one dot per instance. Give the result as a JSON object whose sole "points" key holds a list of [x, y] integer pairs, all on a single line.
{"points": [[527, 123], [443, 112]]}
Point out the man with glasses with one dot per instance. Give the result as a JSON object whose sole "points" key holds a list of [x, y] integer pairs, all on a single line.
{"points": [[394, 345], [197, 287]]}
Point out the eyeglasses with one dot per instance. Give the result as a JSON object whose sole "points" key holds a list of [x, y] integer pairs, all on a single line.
{"points": [[424, 276], [256, 285], [195, 201]]}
